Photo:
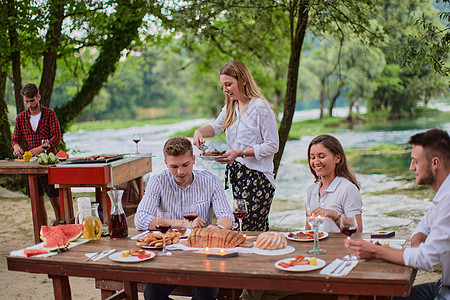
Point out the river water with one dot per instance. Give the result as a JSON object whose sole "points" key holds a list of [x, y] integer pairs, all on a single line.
{"points": [[380, 211]]}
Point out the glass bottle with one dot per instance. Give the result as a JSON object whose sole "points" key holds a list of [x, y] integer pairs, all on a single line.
{"points": [[118, 227], [91, 222]]}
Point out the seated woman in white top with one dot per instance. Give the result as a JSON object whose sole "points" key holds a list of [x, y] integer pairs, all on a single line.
{"points": [[335, 183]]}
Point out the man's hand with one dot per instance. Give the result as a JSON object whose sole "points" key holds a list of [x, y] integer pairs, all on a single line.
{"points": [[36, 151], [362, 249], [198, 223], [18, 151]]}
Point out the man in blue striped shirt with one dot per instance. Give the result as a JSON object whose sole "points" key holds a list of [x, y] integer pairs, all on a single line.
{"points": [[169, 190]]}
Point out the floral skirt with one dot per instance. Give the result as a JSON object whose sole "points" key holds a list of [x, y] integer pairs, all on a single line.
{"points": [[256, 189]]}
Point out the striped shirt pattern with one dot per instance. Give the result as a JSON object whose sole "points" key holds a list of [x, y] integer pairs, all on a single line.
{"points": [[162, 192]]}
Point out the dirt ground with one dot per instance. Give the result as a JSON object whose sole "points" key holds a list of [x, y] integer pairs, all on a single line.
{"points": [[15, 219]]}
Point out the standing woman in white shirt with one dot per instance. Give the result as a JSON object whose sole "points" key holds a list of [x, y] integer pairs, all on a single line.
{"points": [[250, 127], [335, 183]]}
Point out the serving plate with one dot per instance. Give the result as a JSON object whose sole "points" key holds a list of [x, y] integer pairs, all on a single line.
{"points": [[325, 235], [287, 250], [300, 268], [130, 259], [211, 157]]}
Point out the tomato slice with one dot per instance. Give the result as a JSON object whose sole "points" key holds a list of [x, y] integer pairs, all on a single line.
{"points": [[144, 256], [299, 258], [284, 265]]}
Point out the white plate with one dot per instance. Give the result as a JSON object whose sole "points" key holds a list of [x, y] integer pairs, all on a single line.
{"points": [[186, 234], [394, 243], [300, 268], [325, 235], [287, 250], [130, 259], [150, 247], [210, 157]]}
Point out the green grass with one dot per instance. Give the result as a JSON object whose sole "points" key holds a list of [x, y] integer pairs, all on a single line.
{"points": [[190, 133], [118, 124], [315, 127]]}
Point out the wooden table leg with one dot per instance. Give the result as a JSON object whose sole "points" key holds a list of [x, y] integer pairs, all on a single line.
{"points": [[61, 205], [36, 212], [130, 289], [61, 287], [140, 184]]}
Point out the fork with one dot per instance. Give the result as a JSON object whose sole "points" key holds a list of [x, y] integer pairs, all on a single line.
{"points": [[98, 254], [341, 270], [204, 147]]}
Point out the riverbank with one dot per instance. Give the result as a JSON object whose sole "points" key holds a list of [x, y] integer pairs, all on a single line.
{"points": [[17, 232]]}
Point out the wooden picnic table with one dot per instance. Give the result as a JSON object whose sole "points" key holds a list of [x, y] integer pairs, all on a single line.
{"points": [[246, 271], [119, 171]]}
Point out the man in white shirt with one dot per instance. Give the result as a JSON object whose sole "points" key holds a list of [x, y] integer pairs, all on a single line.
{"points": [[168, 191], [430, 243]]}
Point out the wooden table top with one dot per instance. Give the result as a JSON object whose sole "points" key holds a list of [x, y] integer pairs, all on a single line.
{"points": [[249, 271]]}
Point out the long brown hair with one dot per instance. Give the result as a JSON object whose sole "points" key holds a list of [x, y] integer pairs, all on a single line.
{"points": [[342, 167], [246, 85]]}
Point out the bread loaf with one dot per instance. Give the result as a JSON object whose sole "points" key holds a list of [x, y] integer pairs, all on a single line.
{"points": [[214, 238], [271, 241]]}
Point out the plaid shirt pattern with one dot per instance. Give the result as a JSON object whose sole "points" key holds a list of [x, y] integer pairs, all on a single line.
{"points": [[48, 128]]}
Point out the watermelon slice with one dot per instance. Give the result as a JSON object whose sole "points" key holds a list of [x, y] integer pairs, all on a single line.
{"points": [[54, 238], [33, 252], [72, 231], [62, 154], [58, 238]]}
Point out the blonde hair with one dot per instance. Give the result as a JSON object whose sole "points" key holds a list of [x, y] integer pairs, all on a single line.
{"points": [[246, 86]]}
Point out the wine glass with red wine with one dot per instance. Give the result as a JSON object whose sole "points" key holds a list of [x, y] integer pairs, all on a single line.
{"points": [[136, 139], [190, 211], [240, 211], [45, 145], [348, 227], [163, 225]]}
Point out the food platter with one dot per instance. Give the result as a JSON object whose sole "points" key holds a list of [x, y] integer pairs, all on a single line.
{"points": [[150, 247], [287, 250], [302, 235], [300, 268], [392, 243], [95, 159], [210, 157], [130, 259]]}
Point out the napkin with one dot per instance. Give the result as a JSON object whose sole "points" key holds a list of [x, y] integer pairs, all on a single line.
{"points": [[341, 270], [100, 256], [40, 245], [139, 235]]}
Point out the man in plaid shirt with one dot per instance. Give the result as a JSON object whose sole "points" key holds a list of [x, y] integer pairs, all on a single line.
{"points": [[32, 126]]}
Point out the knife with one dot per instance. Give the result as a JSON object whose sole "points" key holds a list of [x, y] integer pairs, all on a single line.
{"points": [[337, 267]]}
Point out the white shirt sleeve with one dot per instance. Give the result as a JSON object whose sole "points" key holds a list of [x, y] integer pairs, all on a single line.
{"points": [[147, 208], [269, 133]]}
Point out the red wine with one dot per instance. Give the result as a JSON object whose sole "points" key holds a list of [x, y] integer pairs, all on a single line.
{"points": [[349, 230], [136, 141], [163, 228], [118, 227], [190, 217], [239, 213]]}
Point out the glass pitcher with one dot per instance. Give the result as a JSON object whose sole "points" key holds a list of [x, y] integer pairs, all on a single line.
{"points": [[91, 222], [118, 227]]}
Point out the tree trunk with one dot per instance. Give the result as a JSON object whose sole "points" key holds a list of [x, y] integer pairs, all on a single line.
{"points": [[5, 131], [298, 23], [322, 96], [51, 51], [334, 99], [15, 56], [121, 34]]}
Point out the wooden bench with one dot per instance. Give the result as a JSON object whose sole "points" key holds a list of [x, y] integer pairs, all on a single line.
{"points": [[111, 289]]}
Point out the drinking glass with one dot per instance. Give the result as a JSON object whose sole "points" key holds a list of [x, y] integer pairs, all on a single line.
{"points": [[190, 211], [163, 225], [240, 211], [45, 145], [348, 227], [315, 221], [136, 139]]}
